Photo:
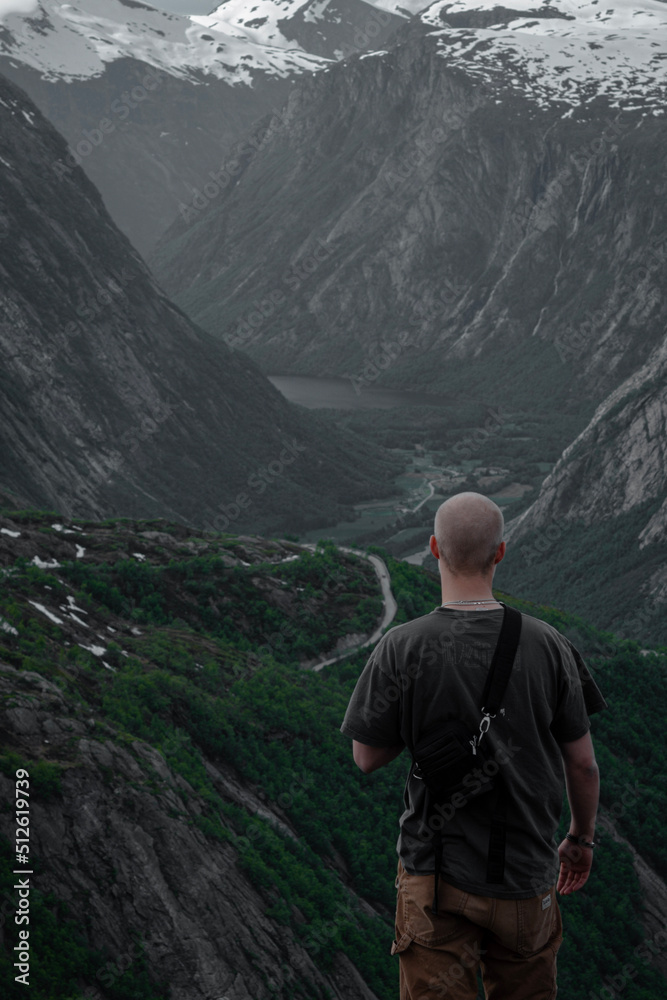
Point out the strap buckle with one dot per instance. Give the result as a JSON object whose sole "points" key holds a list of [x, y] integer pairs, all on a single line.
{"points": [[483, 728]]}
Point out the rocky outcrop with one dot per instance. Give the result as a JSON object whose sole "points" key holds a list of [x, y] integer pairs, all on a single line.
{"points": [[149, 846], [596, 536], [616, 464], [119, 844]]}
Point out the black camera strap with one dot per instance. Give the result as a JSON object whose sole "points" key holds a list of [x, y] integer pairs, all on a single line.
{"points": [[502, 662], [494, 692]]}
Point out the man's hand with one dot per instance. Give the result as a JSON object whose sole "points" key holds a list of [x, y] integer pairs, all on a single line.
{"points": [[575, 867], [583, 787]]}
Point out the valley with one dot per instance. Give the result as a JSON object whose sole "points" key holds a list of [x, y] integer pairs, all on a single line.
{"points": [[493, 457]]}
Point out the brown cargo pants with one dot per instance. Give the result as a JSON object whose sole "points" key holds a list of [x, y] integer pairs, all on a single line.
{"points": [[514, 941]]}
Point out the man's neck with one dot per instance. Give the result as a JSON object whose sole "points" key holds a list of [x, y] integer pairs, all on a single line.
{"points": [[468, 593]]}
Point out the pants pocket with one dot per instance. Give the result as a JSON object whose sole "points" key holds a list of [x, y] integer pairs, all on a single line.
{"points": [[415, 919], [539, 923]]}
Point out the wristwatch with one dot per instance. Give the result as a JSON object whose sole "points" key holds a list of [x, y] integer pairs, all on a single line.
{"points": [[581, 841]]}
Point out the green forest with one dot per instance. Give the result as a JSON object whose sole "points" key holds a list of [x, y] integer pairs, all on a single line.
{"points": [[212, 667]]}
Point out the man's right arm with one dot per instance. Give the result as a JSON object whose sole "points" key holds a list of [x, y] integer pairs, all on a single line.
{"points": [[369, 758], [582, 779]]}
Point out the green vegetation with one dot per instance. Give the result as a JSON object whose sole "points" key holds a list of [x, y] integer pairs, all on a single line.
{"points": [[44, 775], [501, 450], [327, 599], [214, 675]]}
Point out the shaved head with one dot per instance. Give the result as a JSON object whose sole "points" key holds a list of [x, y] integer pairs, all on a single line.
{"points": [[468, 529]]}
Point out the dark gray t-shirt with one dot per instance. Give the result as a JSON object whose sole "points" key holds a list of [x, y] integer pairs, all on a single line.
{"points": [[433, 669]]}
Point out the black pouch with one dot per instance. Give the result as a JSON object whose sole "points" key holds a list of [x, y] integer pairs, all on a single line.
{"points": [[444, 757]]}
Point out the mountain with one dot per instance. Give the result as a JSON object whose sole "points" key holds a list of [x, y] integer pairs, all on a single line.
{"points": [[152, 102], [472, 198], [490, 205], [333, 29], [111, 401], [197, 826]]}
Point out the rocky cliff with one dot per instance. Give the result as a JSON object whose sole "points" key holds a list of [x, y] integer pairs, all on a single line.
{"points": [[111, 400], [617, 463], [120, 849], [598, 528]]}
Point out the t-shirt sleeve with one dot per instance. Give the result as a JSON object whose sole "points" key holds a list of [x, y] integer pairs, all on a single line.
{"points": [[373, 714], [579, 697], [593, 697]]}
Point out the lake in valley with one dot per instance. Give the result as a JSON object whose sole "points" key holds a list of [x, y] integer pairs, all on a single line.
{"points": [[348, 394]]}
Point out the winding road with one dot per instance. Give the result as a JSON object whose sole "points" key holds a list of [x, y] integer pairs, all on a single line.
{"points": [[388, 615], [431, 485]]}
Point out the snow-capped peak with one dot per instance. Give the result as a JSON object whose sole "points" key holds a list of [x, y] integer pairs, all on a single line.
{"points": [[259, 20], [560, 50], [328, 27], [70, 41]]}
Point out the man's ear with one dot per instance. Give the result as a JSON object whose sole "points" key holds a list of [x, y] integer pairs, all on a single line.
{"points": [[500, 553], [434, 547]]}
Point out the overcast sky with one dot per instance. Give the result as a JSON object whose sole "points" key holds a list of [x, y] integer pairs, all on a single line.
{"points": [[17, 6], [175, 6]]}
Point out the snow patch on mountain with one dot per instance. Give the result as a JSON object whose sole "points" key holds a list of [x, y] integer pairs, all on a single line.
{"points": [[259, 21], [69, 41], [402, 7], [565, 50], [309, 23]]}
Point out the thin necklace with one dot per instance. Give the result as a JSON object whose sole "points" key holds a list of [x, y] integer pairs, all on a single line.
{"points": [[489, 600]]}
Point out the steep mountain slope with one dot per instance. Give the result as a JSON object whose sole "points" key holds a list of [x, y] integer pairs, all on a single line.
{"points": [[618, 462], [595, 540], [110, 400], [197, 826], [164, 897], [473, 198], [174, 93]]}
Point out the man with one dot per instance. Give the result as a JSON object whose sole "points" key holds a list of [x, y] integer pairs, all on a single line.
{"points": [[434, 669]]}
